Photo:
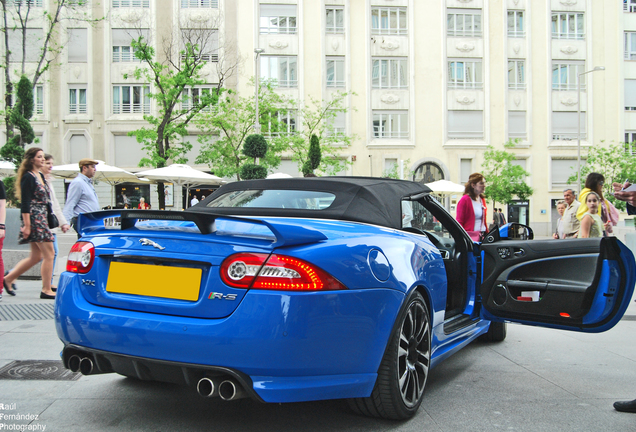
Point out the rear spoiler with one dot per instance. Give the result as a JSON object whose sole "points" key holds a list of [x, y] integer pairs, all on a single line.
{"points": [[291, 232]]}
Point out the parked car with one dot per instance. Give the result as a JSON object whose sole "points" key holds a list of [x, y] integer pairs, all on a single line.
{"points": [[289, 290]]}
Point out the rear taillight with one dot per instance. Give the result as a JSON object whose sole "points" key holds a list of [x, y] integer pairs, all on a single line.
{"points": [[81, 257], [275, 272]]}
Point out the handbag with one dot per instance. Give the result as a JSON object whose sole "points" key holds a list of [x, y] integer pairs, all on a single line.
{"points": [[51, 218]]}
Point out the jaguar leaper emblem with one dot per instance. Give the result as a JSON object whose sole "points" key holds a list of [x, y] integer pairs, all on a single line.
{"points": [[148, 242]]}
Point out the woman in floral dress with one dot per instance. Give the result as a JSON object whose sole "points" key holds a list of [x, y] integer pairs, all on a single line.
{"points": [[33, 192]]}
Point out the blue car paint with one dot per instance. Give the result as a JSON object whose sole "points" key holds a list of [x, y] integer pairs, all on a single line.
{"points": [[330, 336], [605, 297], [347, 351]]}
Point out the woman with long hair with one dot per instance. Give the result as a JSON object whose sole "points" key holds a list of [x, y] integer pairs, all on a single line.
{"points": [[32, 190], [57, 210], [609, 215], [471, 208]]}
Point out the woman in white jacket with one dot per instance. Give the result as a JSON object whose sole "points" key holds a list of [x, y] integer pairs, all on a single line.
{"points": [[57, 210]]}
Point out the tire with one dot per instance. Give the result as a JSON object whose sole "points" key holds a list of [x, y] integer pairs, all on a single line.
{"points": [[402, 376], [496, 332]]}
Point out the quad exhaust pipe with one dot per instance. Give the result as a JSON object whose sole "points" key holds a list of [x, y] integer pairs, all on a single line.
{"points": [[231, 390], [208, 387], [226, 389], [83, 365]]}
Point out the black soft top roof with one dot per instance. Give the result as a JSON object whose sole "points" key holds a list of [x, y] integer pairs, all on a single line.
{"points": [[362, 199]]}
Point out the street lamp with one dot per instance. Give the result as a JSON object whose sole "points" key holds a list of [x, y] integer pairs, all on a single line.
{"points": [[257, 123], [578, 130]]}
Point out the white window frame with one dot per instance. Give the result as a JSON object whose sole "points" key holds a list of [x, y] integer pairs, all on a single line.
{"points": [[563, 169], [131, 3], [511, 122], [272, 24], [199, 4], [334, 28], [338, 124], [516, 24], [75, 97], [34, 3], [268, 62], [516, 80], [629, 87], [143, 107], [466, 134], [395, 118], [287, 117], [630, 142], [193, 93], [210, 45], [470, 71], [124, 54], [630, 45], [382, 21], [464, 23], [564, 75], [629, 6], [38, 99], [565, 19], [571, 133], [337, 67], [395, 74]]}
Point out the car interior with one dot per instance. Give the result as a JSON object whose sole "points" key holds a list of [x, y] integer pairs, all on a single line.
{"points": [[427, 217]]}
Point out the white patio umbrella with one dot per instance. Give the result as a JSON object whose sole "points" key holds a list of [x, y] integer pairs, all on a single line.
{"points": [[6, 169], [104, 172], [445, 187], [181, 175], [279, 176]]}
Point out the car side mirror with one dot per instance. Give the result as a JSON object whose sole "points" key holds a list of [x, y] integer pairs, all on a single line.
{"points": [[511, 231], [516, 231]]}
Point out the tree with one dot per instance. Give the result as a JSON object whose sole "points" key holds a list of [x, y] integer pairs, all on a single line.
{"points": [[616, 162], [319, 119], [314, 156], [19, 20], [255, 147], [174, 80], [226, 128], [504, 180], [21, 113]]}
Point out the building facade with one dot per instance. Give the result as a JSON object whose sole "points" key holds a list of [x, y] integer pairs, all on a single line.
{"points": [[433, 82]]}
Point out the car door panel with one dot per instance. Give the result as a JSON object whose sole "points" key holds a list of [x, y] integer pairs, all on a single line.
{"points": [[579, 284]]}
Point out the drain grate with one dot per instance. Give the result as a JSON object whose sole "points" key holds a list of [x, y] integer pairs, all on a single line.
{"points": [[26, 311], [49, 370]]}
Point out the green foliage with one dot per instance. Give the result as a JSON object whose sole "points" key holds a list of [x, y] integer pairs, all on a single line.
{"points": [[9, 187], [19, 116], [314, 156], [616, 162], [255, 146], [226, 128], [252, 171], [394, 171], [162, 139], [504, 180], [318, 118]]}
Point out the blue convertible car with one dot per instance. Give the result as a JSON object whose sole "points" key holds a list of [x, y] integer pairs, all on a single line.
{"points": [[290, 290]]}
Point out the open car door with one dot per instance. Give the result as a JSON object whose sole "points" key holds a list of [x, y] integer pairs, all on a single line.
{"points": [[578, 284]]}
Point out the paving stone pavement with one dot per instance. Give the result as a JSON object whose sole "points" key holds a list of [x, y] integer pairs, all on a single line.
{"points": [[536, 380]]}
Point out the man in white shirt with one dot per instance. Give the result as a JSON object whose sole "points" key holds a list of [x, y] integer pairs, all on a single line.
{"points": [[194, 200], [569, 220]]}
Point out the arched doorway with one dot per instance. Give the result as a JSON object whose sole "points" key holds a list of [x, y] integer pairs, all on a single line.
{"points": [[428, 172]]}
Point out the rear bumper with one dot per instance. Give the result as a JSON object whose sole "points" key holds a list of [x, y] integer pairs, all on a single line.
{"points": [[288, 346]]}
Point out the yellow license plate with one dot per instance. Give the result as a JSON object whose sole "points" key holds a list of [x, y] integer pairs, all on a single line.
{"points": [[180, 283]]}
